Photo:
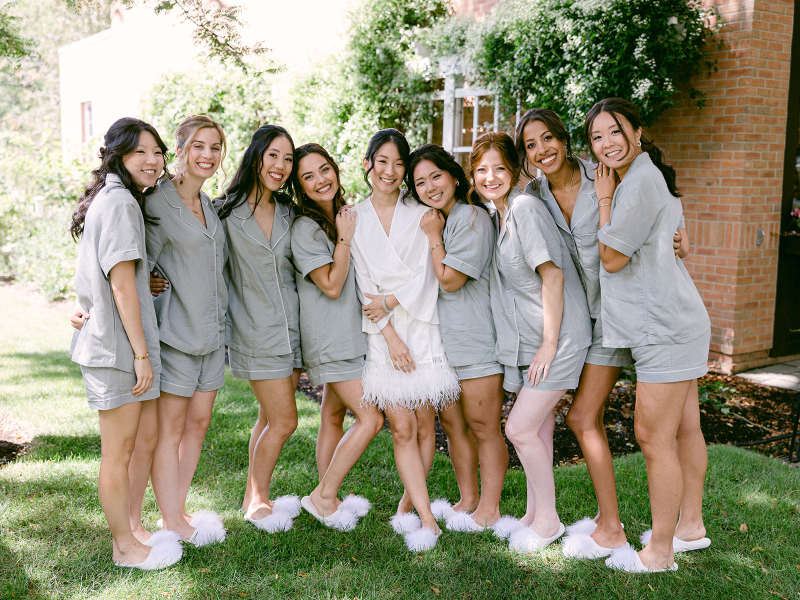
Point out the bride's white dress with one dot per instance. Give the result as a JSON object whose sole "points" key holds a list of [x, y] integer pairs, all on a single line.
{"points": [[400, 264]]}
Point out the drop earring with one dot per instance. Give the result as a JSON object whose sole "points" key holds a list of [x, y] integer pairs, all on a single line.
{"points": [[639, 143]]}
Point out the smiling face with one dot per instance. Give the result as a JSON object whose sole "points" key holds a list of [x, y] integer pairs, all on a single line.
{"points": [[543, 150], [387, 169], [276, 164], [203, 154], [609, 144], [435, 186], [317, 178], [492, 177], [146, 162]]}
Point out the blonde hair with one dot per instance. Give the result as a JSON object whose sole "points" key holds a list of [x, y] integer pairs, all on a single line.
{"points": [[504, 145], [185, 134]]}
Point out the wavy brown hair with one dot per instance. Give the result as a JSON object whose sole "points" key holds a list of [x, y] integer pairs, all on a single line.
{"points": [[504, 145], [555, 126], [619, 107], [120, 140], [306, 206]]}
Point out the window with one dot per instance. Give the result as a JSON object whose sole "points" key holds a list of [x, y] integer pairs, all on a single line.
{"points": [[86, 121]]}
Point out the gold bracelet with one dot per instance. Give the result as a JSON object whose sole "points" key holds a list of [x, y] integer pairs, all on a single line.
{"points": [[346, 243], [608, 204], [551, 348], [146, 355], [606, 198], [436, 246]]}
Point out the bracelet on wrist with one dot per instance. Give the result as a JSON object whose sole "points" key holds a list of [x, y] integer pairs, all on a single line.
{"points": [[548, 346], [606, 204], [146, 355], [343, 241], [383, 304], [436, 246]]}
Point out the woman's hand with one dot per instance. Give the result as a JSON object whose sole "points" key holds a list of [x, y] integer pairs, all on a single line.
{"points": [[144, 376], [157, 284], [398, 351], [540, 366], [374, 310], [78, 316], [346, 223], [605, 182], [432, 223]]}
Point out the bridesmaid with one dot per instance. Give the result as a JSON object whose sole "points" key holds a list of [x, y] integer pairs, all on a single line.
{"points": [[650, 305], [542, 324], [117, 347], [263, 322], [330, 325], [186, 245], [567, 188], [461, 236]]}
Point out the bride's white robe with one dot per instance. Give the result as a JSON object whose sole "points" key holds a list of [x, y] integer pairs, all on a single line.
{"points": [[401, 264]]}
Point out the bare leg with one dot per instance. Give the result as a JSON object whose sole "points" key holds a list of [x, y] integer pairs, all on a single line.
{"points": [[369, 421], [482, 402], [659, 413], [694, 462], [276, 398], [533, 412], [258, 428], [585, 419], [198, 419], [331, 427], [463, 450], [165, 475], [118, 429], [412, 459], [426, 440], [141, 465]]}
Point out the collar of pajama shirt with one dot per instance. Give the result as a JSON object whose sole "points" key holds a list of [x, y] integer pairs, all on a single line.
{"points": [[530, 239], [263, 307], [191, 312]]}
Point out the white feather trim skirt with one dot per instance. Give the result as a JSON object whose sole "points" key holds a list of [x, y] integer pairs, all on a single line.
{"points": [[433, 383]]}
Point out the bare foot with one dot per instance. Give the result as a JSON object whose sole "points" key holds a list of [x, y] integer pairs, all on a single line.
{"points": [[545, 529], [133, 555], [182, 528], [405, 505], [141, 534], [485, 519], [256, 512], [325, 507], [609, 536], [527, 519], [690, 533], [465, 505], [430, 523], [654, 560]]}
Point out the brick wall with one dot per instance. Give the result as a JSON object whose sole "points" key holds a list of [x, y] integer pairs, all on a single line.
{"points": [[729, 159]]}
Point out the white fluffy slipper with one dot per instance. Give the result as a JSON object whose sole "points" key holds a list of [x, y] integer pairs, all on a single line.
{"points": [[627, 559], [461, 521], [163, 536], [208, 529], [442, 509], [287, 504], [583, 527], [421, 540], [162, 555], [527, 541], [406, 523], [505, 526], [678, 545], [274, 522], [583, 547], [339, 519], [358, 505]]}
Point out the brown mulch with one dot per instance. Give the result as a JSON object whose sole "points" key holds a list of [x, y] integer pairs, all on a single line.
{"points": [[732, 410]]}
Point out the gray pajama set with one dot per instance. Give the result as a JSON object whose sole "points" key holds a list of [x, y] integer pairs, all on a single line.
{"points": [[263, 327], [191, 312], [113, 232], [333, 344], [465, 316], [529, 239], [651, 305]]}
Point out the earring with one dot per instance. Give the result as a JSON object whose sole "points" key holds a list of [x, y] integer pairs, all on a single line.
{"points": [[639, 143], [180, 181], [456, 183]]}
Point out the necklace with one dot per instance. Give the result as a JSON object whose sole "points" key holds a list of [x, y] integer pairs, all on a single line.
{"points": [[566, 212], [186, 203], [571, 179]]}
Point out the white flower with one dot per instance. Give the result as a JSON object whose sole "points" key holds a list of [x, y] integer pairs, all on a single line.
{"points": [[641, 87]]}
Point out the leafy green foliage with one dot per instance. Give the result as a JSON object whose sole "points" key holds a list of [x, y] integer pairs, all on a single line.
{"points": [[13, 45], [567, 54], [716, 394]]}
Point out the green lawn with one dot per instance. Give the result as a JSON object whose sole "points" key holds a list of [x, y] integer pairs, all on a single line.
{"points": [[54, 542]]}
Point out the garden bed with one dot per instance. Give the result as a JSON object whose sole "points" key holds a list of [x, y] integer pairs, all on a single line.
{"points": [[732, 410]]}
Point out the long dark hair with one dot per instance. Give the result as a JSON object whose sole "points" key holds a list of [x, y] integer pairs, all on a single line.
{"points": [[444, 161], [617, 107], [248, 175], [120, 140], [377, 141], [502, 142], [555, 126], [306, 206]]}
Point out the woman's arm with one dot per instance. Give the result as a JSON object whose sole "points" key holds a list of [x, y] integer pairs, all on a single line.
{"points": [[552, 309], [78, 316], [330, 278], [432, 224], [605, 182], [398, 351], [123, 287], [680, 243]]}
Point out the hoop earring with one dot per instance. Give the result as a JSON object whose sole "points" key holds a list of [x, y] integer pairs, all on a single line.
{"points": [[639, 143], [456, 183]]}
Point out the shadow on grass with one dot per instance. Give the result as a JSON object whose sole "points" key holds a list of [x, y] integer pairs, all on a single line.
{"points": [[55, 364]]}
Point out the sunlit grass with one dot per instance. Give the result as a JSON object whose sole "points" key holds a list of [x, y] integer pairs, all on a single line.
{"points": [[54, 541]]}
